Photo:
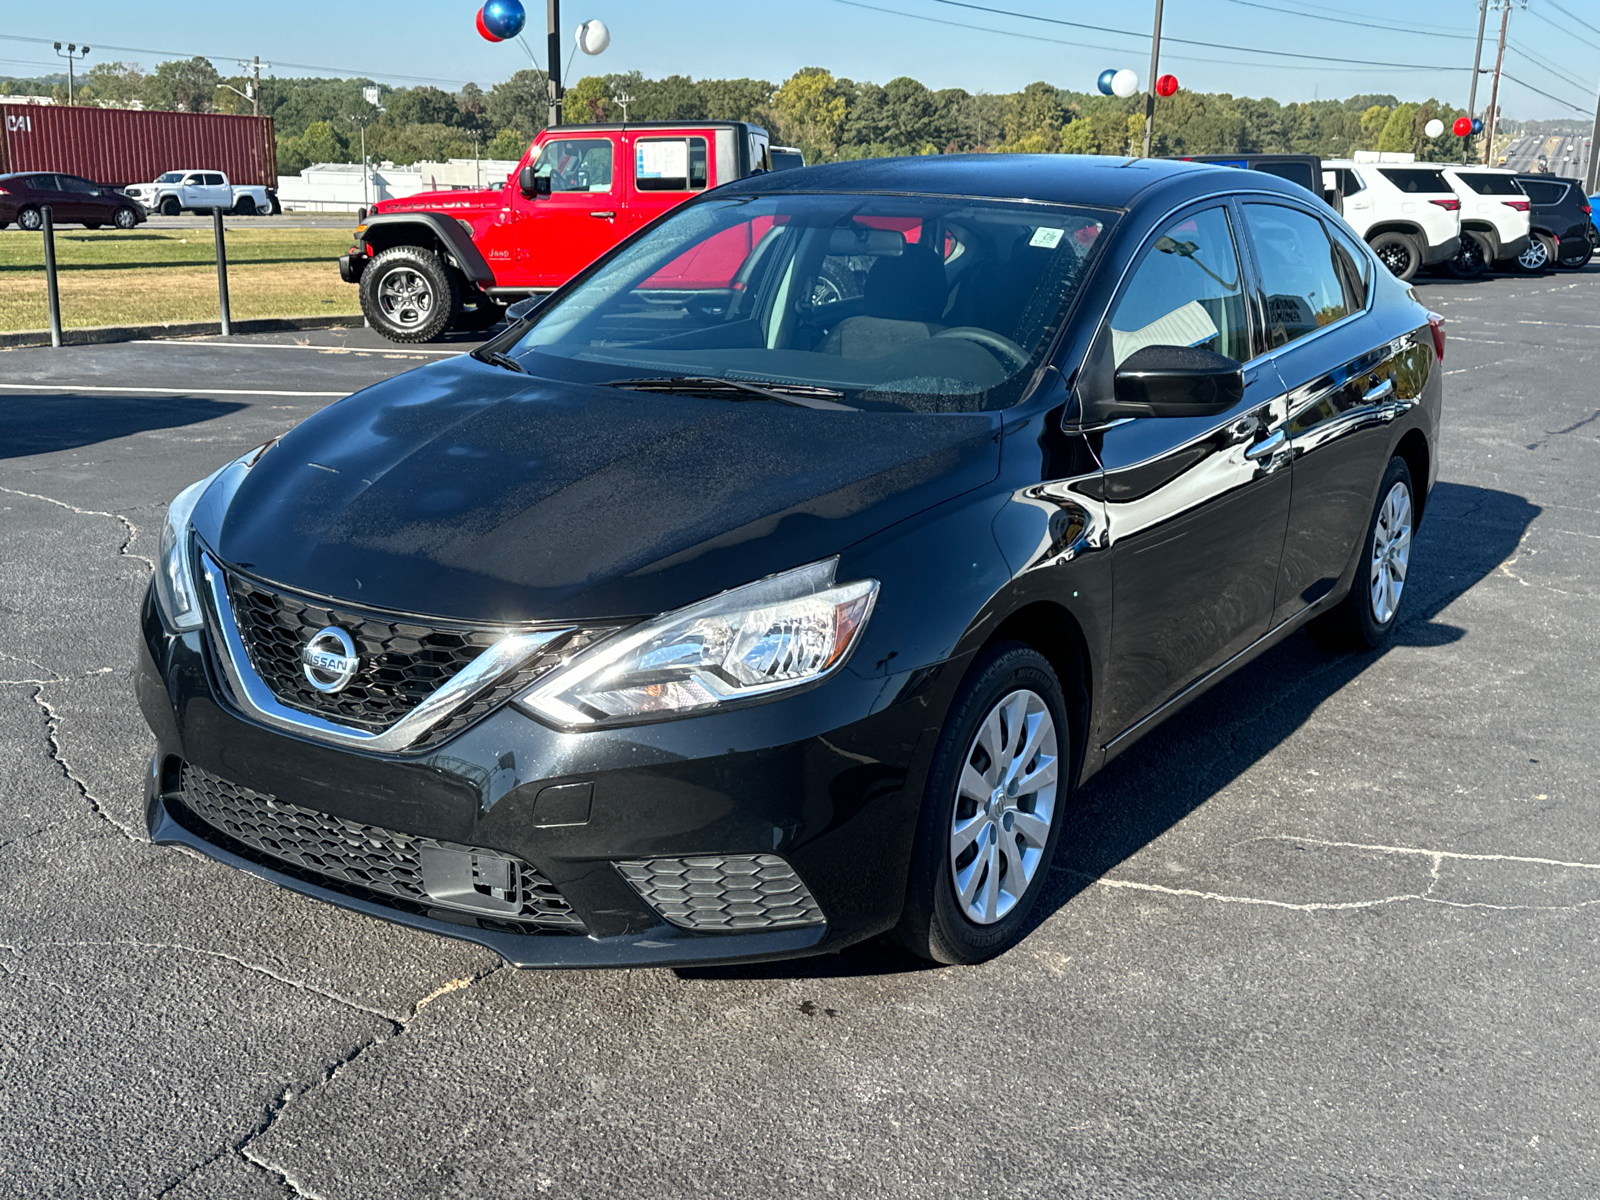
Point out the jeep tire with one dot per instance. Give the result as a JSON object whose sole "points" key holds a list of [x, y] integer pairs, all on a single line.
{"points": [[409, 295]]}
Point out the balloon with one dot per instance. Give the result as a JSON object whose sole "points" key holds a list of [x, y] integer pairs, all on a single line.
{"points": [[1462, 127], [1124, 83], [1167, 85], [1477, 124], [593, 37], [484, 29], [1104, 82], [504, 18], [1433, 128]]}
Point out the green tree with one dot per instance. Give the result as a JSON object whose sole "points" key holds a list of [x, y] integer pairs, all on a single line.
{"points": [[319, 143], [517, 103], [115, 82], [1398, 131], [811, 108], [507, 144], [183, 85], [588, 102], [1034, 117]]}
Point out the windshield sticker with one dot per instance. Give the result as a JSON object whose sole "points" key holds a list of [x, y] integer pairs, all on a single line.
{"points": [[1046, 237]]}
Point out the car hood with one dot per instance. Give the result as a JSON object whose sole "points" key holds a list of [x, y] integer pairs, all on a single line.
{"points": [[463, 203], [464, 490]]}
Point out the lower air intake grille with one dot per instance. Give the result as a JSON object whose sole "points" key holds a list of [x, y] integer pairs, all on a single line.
{"points": [[380, 864], [732, 892]]}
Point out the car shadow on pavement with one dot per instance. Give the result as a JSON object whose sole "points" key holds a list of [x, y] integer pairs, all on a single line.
{"points": [[44, 422], [1466, 533]]}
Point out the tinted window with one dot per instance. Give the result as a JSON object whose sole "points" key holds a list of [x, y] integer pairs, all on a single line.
{"points": [[71, 183], [1355, 265], [1294, 172], [1300, 274], [785, 160], [1487, 184], [1186, 291], [1416, 180], [669, 164], [1544, 193], [1349, 182], [43, 183], [576, 164]]}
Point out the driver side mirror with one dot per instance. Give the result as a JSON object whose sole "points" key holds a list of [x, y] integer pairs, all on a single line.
{"points": [[1170, 381], [531, 184]]}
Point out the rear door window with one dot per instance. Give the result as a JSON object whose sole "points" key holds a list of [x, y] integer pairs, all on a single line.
{"points": [[214, 180], [71, 183], [1542, 193], [1355, 266], [1301, 280], [1416, 180], [669, 164], [1486, 183], [1186, 291]]}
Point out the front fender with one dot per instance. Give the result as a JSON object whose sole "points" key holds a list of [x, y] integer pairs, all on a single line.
{"points": [[412, 228]]}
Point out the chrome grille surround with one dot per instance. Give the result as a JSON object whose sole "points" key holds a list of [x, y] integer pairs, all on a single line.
{"points": [[346, 855], [731, 892]]}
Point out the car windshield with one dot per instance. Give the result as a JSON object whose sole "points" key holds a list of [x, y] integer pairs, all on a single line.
{"points": [[171, 177], [927, 304]]}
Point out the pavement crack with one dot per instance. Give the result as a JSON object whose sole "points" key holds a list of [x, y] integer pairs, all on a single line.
{"points": [[52, 722], [131, 530]]}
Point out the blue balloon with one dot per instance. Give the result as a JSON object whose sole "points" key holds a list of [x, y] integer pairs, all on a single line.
{"points": [[1105, 80], [504, 18], [1477, 124]]}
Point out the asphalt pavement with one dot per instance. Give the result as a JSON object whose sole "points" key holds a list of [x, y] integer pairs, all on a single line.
{"points": [[1333, 932]]}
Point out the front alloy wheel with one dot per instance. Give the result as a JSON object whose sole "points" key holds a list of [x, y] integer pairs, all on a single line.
{"points": [[409, 295], [125, 218], [1004, 807]]}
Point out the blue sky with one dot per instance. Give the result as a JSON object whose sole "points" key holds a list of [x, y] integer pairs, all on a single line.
{"points": [[434, 40]]}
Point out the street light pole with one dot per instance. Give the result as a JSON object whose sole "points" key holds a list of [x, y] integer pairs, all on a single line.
{"points": [[1477, 65], [1594, 136], [71, 54], [552, 13], [1150, 94]]}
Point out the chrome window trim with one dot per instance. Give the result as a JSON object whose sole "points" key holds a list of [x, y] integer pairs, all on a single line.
{"points": [[256, 699]]}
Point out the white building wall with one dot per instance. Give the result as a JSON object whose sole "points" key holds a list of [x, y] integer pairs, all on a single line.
{"points": [[338, 187]]}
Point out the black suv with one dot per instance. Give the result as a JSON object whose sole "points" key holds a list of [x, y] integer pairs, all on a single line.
{"points": [[1562, 230]]}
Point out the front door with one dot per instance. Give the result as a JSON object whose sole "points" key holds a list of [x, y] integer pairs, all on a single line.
{"points": [[561, 233], [1196, 506]]}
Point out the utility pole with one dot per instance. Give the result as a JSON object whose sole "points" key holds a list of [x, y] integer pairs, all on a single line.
{"points": [[1494, 89], [72, 54], [552, 13], [1477, 66], [255, 86], [1150, 93], [1590, 174]]}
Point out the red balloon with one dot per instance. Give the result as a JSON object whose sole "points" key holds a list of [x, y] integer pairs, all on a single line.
{"points": [[484, 29], [1167, 85], [1462, 127]]}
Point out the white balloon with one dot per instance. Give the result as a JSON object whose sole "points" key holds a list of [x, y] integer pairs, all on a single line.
{"points": [[1433, 128], [1124, 83], [593, 37]]}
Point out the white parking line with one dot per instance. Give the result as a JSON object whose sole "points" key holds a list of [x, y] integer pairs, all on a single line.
{"points": [[396, 352], [155, 391]]}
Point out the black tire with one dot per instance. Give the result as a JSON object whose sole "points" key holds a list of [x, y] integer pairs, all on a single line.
{"points": [[409, 295], [91, 224], [244, 207], [1355, 624], [170, 207], [1472, 260], [484, 314], [124, 218], [1579, 260], [1539, 257], [1400, 252], [31, 219], [933, 925]]}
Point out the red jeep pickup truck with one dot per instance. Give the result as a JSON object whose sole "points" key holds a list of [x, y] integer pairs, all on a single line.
{"points": [[430, 261]]}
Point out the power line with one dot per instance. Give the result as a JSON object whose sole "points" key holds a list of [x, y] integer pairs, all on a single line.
{"points": [[1288, 12], [1360, 62], [1573, 17], [1536, 14], [1567, 103], [1542, 65]]}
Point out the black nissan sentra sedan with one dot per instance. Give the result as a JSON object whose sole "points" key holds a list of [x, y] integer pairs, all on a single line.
{"points": [[772, 586]]}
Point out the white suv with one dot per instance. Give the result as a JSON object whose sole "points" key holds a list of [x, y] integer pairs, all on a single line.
{"points": [[1407, 212], [1494, 216]]}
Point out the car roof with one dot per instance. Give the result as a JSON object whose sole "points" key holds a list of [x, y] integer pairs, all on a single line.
{"points": [[1101, 181]]}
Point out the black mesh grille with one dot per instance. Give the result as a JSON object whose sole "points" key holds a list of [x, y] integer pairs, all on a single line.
{"points": [[724, 891], [364, 860]]}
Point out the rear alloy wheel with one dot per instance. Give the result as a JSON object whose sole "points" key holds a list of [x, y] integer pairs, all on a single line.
{"points": [[1471, 261], [1538, 256], [992, 818], [1364, 619], [409, 295], [125, 218], [170, 207], [1579, 259], [30, 219], [1399, 252]]}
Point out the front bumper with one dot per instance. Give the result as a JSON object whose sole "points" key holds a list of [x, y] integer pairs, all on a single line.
{"points": [[351, 265], [1442, 252], [829, 781]]}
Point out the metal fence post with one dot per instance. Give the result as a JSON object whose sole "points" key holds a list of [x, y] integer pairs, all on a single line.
{"points": [[222, 273], [50, 287]]}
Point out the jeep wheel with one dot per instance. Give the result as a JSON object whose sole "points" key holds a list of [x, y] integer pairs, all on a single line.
{"points": [[409, 295], [1399, 252], [125, 218], [170, 207], [30, 219]]}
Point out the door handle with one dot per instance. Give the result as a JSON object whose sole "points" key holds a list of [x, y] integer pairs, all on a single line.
{"points": [[1381, 392], [1268, 447], [607, 215]]}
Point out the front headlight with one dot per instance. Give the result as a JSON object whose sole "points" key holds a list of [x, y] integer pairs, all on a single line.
{"points": [[752, 642], [174, 572]]}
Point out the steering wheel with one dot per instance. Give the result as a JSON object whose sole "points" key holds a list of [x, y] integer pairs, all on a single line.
{"points": [[1003, 348]]}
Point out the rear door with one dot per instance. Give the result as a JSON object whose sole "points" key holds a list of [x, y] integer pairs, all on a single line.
{"points": [[47, 190], [667, 169], [218, 193], [83, 199], [560, 234]]}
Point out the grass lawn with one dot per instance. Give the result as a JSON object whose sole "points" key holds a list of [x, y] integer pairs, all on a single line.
{"points": [[109, 277]]}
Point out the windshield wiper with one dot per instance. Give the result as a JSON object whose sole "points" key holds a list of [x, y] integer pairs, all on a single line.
{"points": [[801, 395], [496, 358]]}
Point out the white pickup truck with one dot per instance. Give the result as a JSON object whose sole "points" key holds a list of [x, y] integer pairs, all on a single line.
{"points": [[201, 191]]}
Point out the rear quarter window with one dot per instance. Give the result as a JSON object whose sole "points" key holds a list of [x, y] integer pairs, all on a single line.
{"points": [[1486, 184], [1416, 180], [1544, 193]]}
